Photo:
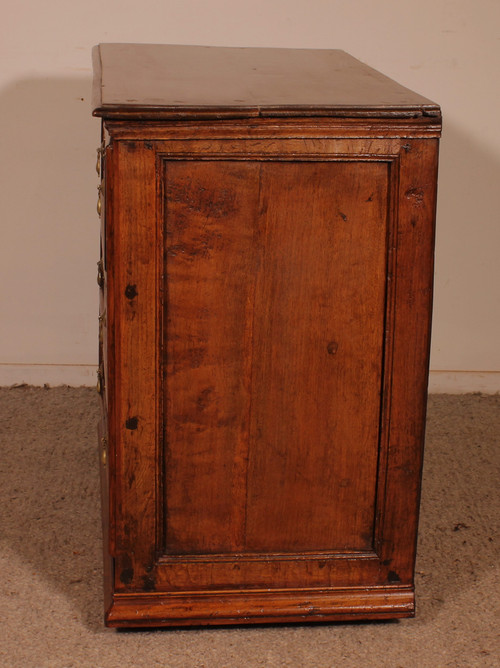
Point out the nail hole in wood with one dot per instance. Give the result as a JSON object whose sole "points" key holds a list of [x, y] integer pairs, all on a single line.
{"points": [[332, 347]]}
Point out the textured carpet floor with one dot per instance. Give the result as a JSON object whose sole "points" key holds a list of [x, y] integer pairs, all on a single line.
{"points": [[50, 555]]}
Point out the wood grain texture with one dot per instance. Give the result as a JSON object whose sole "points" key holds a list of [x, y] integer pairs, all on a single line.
{"points": [[267, 291], [161, 81], [275, 308], [210, 282], [261, 607], [273, 128], [276, 301], [317, 353], [133, 322], [409, 377]]}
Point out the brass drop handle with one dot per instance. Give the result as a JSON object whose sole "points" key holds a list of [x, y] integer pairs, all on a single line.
{"points": [[100, 380], [104, 453], [99, 200], [100, 153], [100, 274], [102, 324], [101, 333]]}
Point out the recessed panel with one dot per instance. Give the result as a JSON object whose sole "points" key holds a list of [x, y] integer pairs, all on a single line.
{"points": [[317, 357], [211, 265], [275, 282]]}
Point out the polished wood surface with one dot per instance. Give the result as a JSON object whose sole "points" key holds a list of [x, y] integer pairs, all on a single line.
{"points": [[283, 244], [267, 288], [157, 80]]}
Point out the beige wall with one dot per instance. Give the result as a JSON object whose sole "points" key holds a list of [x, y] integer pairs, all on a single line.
{"points": [[448, 50]]}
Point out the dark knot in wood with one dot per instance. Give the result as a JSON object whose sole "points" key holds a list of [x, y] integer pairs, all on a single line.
{"points": [[332, 347]]}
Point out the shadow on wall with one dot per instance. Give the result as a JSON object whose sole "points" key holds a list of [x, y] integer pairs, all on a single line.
{"points": [[50, 231], [466, 321]]}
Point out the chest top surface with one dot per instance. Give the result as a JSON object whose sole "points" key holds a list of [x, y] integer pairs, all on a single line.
{"points": [[154, 80]]}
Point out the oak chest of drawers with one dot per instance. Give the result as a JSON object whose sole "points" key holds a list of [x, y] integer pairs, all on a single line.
{"points": [[266, 281]]}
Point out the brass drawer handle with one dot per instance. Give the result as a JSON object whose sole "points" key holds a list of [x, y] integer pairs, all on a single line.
{"points": [[100, 153], [104, 451], [102, 325], [101, 334], [99, 200], [100, 274], [100, 380]]}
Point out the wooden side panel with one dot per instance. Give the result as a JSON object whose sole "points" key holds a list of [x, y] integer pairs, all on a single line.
{"points": [[409, 375], [245, 451], [275, 306], [133, 380], [210, 211], [317, 358]]}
